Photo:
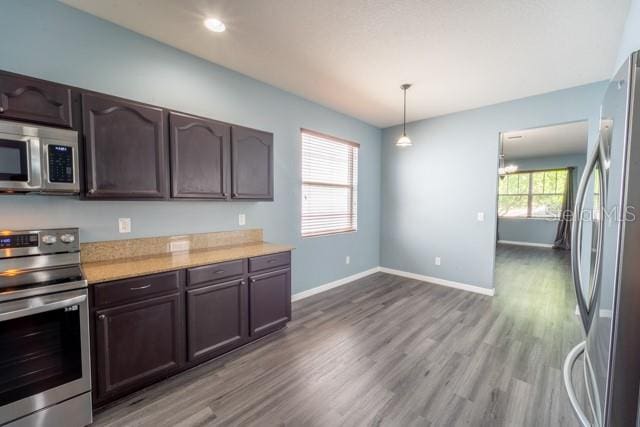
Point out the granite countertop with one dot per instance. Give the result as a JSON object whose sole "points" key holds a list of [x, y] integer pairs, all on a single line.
{"points": [[104, 271]]}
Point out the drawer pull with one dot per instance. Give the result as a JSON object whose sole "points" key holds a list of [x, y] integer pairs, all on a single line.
{"points": [[219, 271], [271, 261], [140, 287]]}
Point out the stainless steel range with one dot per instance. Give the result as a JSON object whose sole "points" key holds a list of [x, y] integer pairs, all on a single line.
{"points": [[45, 365]]}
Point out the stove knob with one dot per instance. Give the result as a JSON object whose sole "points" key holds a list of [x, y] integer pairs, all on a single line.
{"points": [[68, 238], [48, 239]]}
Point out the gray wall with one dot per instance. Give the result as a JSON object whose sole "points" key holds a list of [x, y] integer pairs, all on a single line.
{"points": [[536, 230], [47, 39], [432, 192]]}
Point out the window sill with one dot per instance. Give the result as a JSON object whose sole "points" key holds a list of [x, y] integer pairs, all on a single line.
{"points": [[536, 218], [333, 233]]}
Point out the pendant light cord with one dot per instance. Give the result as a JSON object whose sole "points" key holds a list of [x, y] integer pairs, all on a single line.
{"points": [[404, 114]]}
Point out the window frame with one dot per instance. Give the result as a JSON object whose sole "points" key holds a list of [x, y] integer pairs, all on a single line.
{"points": [[353, 186], [530, 194]]}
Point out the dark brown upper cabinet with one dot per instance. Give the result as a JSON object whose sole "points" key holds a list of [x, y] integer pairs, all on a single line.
{"points": [[125, 149], [251, 164], [199, 157], [32, 100]]}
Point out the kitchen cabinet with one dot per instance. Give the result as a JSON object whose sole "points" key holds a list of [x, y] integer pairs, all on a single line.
{"points": [[199, 157], [137, 343], [135, 151], [33, 100], [216, 319], [270, 296], [145, 328], [125, 149], [251, 164]]}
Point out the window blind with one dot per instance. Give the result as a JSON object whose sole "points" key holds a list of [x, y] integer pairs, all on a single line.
{"points": [[329, 185]]}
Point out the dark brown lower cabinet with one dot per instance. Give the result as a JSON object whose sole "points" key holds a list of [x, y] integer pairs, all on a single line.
{"points": [[149, 327], [137, 343], [270, 301], [216, 319]]}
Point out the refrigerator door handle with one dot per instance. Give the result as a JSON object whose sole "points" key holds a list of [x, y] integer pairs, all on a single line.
{"points": [[567, 370], [585, 307]]}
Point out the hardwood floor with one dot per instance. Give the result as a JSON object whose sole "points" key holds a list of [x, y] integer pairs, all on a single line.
{"points": [[386, 350]]}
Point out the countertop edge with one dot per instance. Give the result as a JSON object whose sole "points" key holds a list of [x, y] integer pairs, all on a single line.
{"points": [[277, 248]]}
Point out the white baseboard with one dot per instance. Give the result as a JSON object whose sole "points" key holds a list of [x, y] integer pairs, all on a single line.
{"points": [[513, 242], [435, 280], [336, 283], [438, 281]]}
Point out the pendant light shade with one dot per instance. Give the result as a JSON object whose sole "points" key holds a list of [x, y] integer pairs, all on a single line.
{"points": [[404, 140]]}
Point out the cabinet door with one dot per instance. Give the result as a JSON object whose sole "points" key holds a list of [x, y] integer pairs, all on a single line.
{"points": [[126, 149], [269, 301], [199, 157], [137, 343], [216, 319], [251, 164], [33, 100]]}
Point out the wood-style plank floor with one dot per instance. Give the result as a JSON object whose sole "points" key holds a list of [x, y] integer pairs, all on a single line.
{"points": [[386, 350]]}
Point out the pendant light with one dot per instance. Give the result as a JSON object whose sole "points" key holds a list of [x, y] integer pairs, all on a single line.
{"points": [[502, 169], [404, 140]]}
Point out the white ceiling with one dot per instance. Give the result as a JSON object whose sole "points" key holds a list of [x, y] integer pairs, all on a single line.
{"points": [[557, 140], [352, 55]]}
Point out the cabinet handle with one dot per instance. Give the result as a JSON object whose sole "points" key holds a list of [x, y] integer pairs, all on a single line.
{"points": [[1, 109], [102, 317], [93, 190], [140, 287], [271, 261], [219, 271], [243, 282]]}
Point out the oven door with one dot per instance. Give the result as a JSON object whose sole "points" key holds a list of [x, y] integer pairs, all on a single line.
{"points": [[44, 352], [20, 163]]}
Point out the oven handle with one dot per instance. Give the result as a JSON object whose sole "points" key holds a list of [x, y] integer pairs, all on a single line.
{"points": [[39, 305]]}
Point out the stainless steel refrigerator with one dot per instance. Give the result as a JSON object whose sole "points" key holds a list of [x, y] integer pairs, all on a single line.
{"points": [[606, 263]]}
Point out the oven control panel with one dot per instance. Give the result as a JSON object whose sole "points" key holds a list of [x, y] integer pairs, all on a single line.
{"points": [[60, 163], [38, 242], [18, 241]]}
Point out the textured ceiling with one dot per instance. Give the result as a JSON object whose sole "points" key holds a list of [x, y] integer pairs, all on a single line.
{"points": [[352, 55], [557, 140]]}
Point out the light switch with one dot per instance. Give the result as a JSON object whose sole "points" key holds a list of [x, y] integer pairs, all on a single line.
{"points": [[480, 216], [124, 225], [437, 261], [242, 219]]}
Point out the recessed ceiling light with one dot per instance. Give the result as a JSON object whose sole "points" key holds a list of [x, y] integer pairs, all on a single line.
{"points": [[215, 25]]}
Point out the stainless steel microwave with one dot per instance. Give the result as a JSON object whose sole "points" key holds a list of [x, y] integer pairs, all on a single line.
{"points": [[38, 159]]}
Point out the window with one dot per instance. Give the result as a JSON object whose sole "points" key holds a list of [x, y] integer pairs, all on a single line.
{"points": [[329, 185], [537, 194]]}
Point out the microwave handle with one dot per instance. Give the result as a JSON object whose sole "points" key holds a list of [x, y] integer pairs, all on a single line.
{"points": [[41, 305]]}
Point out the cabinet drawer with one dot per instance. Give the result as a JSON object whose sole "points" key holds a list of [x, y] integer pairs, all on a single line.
{"points": [[215, 272], [269, 261], [135, 288]]}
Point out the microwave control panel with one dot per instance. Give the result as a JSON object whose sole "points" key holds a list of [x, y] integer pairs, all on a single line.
{"points": [[60, 163]]}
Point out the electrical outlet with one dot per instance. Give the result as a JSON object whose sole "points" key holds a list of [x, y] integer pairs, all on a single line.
{"points": [[124, 225], [437, 260], [242, 219], [181, 245], [347, 260], [481, 216]]}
